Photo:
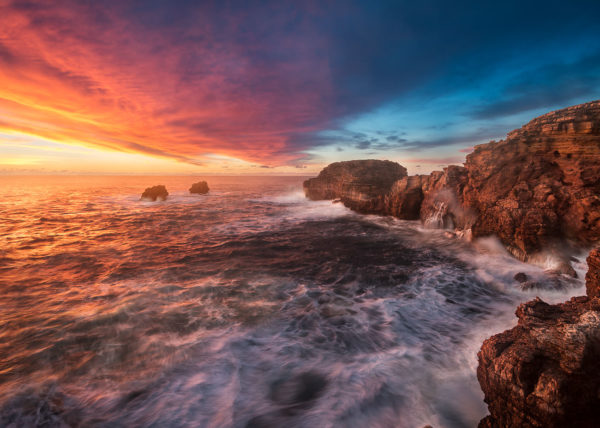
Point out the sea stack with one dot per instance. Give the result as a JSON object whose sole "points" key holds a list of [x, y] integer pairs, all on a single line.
{"points": [[155, 193], [200, 188], [545, 372]]}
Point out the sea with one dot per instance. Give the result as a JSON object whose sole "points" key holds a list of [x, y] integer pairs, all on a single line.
{"points": [[250, 306]]}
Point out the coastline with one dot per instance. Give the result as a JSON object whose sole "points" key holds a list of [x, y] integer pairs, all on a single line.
{"points": [[538, 192]]}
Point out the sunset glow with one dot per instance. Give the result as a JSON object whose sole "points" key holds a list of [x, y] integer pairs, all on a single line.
{"points": [[278, 89]]}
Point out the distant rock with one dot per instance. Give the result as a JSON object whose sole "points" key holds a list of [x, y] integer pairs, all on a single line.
{"points": [[545, 372], [200, 188], [155, 193], [361, 185]]}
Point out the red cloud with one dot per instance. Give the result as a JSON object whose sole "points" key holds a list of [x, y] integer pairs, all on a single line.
{"points": [[84, 74]]}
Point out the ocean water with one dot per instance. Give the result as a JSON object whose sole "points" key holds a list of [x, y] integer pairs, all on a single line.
{"points": [[248, 307]]}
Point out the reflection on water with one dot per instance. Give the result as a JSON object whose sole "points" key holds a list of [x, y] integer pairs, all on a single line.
{"points": [[247, 307]]}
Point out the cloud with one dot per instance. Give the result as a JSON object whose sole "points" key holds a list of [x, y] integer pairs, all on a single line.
{"points": [[268, 83]]}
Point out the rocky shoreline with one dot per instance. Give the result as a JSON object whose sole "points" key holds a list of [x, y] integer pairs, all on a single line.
{"points": [[545, 372], [538, 191]]}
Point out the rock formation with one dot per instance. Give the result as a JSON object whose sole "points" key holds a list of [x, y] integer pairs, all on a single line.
{"points": [[540, 184], [545, 372], [200, 188], [361, 184], [538, 190], [155, 193], [592, 278], [443, 203], [405, 197]]}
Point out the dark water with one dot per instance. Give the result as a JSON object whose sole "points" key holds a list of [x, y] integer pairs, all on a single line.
{"points": [[248, 307]]}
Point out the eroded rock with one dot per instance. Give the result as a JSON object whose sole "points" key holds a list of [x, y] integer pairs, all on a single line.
{"points": [[545, 372], [540, 186], [155, 193], [200, 188], [361, 184]]}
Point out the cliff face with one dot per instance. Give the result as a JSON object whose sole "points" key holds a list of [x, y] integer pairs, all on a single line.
{"points": [[541, 183], [443, 202], [361, 184], [536, 190], [545, 372]]}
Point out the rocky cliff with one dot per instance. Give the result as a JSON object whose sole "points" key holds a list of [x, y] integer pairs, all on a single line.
{"points": [[540, 185], [360, 184], [545, 372], [538, 190]]}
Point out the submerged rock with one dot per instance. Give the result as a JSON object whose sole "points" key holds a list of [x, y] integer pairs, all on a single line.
{"points": [[361, 184], [155, 193], [545, 372], [521, 277], [200, 188]]}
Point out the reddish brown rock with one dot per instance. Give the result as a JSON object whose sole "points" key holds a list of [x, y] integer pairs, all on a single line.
{"points": [[545, 372], [405, 197], [155, 193], [361, 184], [538, 190], [542, 184], [592, 278], [443, 202], [199, 188]]}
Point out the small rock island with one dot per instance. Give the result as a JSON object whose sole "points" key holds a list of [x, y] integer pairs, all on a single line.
{"points": [[199, 188], [155, 193]]}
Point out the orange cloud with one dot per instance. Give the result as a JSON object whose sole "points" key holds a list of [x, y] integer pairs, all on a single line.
{"points": [[86, 75]]}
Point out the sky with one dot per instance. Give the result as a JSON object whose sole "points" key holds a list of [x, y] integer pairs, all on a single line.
{"points": [[277, 87]]}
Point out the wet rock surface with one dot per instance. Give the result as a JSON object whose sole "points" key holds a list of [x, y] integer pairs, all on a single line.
{"points": [[155, 193], [545, 372]]}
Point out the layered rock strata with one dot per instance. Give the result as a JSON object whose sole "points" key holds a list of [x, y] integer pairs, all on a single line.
{"points": [[541, 183], [545, 372], [361, 184]]}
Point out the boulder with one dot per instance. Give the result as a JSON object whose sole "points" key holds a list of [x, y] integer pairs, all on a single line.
{"points": [[155, 193], [200, 188], [360, 184], [545, 372]]}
